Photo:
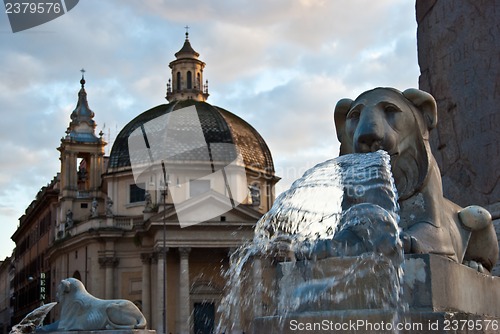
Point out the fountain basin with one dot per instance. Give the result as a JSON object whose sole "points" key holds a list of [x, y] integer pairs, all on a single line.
{"points": [[442, 296], [378, 321]]}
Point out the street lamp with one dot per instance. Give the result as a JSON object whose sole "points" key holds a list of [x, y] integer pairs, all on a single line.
{"points": [[165, 194]]}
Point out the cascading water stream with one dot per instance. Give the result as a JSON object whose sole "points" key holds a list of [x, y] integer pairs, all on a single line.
{"points": [[346, 206]]}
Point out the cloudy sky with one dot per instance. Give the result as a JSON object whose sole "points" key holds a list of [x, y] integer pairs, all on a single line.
{"points": [[279, 64]]}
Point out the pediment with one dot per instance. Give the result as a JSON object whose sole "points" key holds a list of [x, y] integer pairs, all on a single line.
{"points": [[208, 207]]}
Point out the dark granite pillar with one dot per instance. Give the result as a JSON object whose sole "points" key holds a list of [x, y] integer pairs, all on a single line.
{"points": [[459, 58]]}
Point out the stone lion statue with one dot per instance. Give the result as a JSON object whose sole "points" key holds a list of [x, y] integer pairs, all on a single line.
{"points": [[82, 311], [399, 123]]}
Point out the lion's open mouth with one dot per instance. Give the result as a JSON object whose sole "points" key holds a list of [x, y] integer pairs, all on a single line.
{"points": [[391, 154]]}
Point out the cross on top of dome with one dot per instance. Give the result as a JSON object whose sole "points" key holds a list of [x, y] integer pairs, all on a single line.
{"points": [[187, 75]]}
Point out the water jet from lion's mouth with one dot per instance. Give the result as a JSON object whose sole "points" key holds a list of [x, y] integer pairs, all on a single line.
{"points": [[312, 213], [33, 320]]}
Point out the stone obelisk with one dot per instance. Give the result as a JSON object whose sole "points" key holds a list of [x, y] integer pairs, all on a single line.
{"points": [[459, 58]]}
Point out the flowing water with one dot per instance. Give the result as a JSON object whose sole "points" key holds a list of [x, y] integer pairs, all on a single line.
{"points": [[280, 272], [33, 320]]}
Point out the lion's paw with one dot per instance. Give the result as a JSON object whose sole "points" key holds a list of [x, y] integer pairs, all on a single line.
{"points": [[410, 244], [475, 265]]}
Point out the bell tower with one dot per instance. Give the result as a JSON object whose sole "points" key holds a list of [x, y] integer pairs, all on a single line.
{"points": [[187, 75], [82, 164]]}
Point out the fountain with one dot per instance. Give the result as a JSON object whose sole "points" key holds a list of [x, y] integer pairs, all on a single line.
{"points": [[84, 313], [352, 247], [362, 243]]}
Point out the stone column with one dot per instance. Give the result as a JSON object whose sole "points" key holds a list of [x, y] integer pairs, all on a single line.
{"points": [[73, 169], [458, 43], [64, 170], [109, 279], [69, 172], [109, 261], [146, 286], [95, 172], [161, 289], [184, 286], [91, 173]]}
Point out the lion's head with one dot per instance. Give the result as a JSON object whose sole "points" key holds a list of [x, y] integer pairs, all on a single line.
{"points": [[68, 285], [394, 121]]}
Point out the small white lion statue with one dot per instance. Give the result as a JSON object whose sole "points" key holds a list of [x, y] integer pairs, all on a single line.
{"points": [[82, 311]]}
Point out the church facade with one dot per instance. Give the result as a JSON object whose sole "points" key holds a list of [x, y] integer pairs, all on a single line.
{"points": [[157, 220]]}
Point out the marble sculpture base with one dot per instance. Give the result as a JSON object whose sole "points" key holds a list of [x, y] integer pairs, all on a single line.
{"points": [[443, 297]]}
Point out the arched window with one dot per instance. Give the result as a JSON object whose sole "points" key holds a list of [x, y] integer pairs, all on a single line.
{"points": [[178, 83], [189, 80], [198, 81], [254, 189]]}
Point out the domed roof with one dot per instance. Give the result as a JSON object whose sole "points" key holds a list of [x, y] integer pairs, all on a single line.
{"points": [[82, 126], [187, 50], [218, 126]]}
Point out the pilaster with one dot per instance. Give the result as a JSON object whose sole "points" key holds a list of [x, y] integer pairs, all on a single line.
{"points": [[184, 285]]}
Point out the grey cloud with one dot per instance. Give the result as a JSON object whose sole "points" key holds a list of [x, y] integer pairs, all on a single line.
{"points": [[281, 65]]}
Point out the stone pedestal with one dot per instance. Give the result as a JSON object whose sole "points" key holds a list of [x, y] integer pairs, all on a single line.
{"points": [[442, 297], [435, 283], [377, 321]]}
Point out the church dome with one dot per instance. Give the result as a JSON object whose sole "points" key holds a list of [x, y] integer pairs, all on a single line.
{"points": [[217, 124]]}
